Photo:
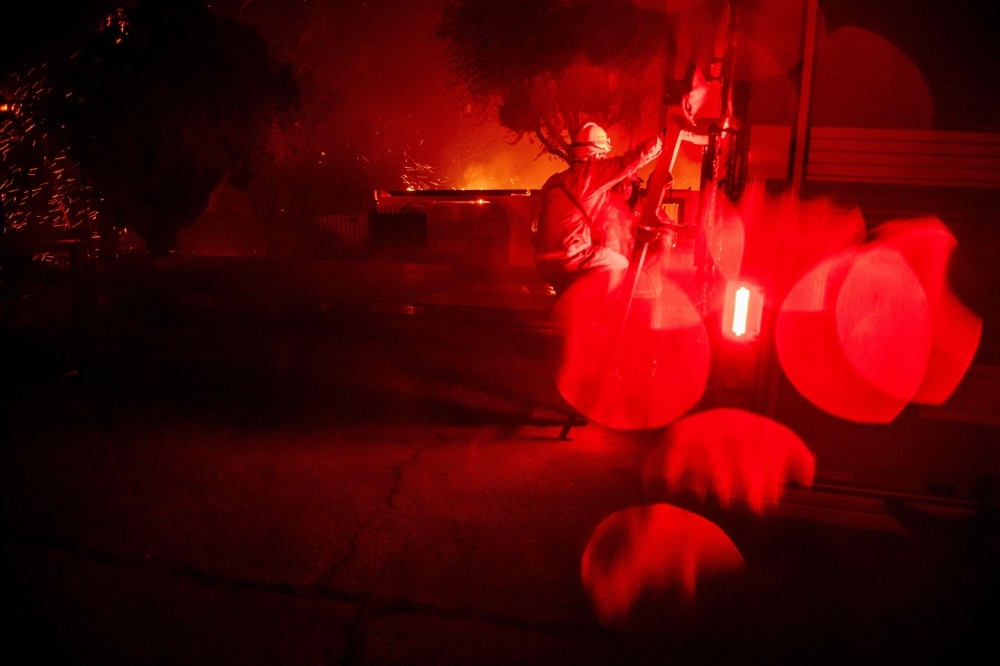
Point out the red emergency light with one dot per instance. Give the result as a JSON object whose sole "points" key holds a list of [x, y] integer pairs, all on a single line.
{"points": [[742, 311]]}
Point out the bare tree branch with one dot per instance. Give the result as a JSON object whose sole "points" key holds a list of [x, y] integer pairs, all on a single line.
{"points": [[538, 62]]}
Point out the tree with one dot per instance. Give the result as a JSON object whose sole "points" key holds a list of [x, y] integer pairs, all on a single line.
{"points": [[46, 26], [40, 184], [549, 66], [167, 100]]}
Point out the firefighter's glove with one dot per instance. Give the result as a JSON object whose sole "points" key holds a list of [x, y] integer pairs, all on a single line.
{"points": [[644, 234], [651, 149], [667, 233]]}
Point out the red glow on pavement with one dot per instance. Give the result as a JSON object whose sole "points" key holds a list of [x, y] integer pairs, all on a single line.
{"points": [[662, 359], [927, 245], [732, 455], [657, 552]]}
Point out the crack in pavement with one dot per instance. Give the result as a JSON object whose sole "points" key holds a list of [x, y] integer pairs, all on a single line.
{"points": [[368, 605], [387, 505], [372, 605]]}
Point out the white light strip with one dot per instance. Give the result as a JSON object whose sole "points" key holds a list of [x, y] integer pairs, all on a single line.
{"points": [[740, 308]]}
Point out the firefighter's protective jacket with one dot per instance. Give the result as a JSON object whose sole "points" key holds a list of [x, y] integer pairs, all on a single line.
{"points": [[575, 199], [618, 224]]}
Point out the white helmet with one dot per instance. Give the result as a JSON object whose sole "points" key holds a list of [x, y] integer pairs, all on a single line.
{"points": [[590, 140]]}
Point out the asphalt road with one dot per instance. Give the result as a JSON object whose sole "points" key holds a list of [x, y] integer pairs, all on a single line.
{"points": [[192, 485]]}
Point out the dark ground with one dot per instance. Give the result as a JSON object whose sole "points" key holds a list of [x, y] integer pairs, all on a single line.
{"points": [[198, 482]]}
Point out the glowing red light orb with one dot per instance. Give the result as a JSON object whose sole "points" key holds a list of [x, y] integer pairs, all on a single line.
{"points": [[927, 245], [883, 322], [631, 372], [731, 454], [726, 239], [657, 551], [853, 335]]}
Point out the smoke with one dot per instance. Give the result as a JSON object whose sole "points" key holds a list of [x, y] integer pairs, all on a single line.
{"points": [[511, 167]]}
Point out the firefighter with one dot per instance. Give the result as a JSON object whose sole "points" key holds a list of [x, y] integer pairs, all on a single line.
{"points": [[574, 205], [622, 214], [621, 217]]}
